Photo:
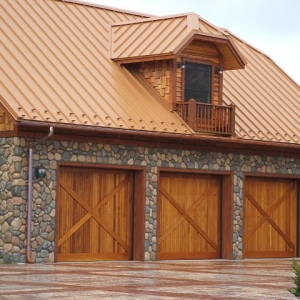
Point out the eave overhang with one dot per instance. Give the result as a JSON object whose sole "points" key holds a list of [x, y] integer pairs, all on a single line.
{"points": [[165, 38], [161, 139], [231, 56]]}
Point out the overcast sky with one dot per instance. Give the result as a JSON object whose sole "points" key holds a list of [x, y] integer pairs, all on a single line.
{"points": [[272, 26]]}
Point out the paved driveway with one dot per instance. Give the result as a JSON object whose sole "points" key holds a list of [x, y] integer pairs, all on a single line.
{"points": [[217, 279]]}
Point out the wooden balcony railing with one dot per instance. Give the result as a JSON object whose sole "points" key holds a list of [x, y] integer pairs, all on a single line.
{"points": [[209, 118]]}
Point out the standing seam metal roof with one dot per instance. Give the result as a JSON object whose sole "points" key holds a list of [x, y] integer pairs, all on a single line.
{"points": [[56, 67], [267, 100]]}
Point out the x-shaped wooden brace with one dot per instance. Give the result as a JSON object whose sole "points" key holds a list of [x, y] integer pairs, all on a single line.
{"points": [[266, 216], [91, 212], [185, 215]]}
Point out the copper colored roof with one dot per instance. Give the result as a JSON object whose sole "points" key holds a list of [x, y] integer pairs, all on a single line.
{"points": [[165, 37], [267, 99], [56, 67]]}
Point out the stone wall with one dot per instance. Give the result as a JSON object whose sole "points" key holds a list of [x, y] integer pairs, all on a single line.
{"points": [[14, 176], [13, 198]]}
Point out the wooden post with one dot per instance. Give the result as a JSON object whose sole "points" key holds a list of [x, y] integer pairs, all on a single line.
{"points": [[232, 120], [192, 114], [173, 82]]}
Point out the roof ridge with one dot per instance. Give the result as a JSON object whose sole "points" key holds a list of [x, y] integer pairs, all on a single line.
{"points": [[259, 51], [212, 25], [245, 42], [83, 2], [153, 18]]}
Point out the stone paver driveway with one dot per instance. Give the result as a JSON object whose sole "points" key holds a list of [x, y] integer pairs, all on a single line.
{"points": [[217, 279]]}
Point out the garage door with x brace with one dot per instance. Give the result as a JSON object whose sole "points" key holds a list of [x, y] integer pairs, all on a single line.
{"points": [[95, 214], [270, 218], [189, 216]]}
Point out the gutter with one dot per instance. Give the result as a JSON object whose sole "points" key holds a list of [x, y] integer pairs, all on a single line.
{"points": [[180, 138], [29, 201]]}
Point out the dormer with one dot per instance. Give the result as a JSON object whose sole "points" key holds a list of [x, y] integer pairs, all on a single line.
{"points": [[183, 57]]}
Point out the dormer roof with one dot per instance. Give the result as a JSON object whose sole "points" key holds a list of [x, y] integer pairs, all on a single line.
{"points": [[166, 37]]}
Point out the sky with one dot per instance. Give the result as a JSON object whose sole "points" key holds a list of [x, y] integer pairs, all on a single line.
{"points": [[272, 26]]}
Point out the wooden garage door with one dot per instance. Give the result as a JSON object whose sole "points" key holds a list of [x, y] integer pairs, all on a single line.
{"points": [[270, 218], [189, 216], [95, 214]]}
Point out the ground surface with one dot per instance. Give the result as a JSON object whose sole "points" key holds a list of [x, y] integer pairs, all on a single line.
{"points": [[218, 279]]}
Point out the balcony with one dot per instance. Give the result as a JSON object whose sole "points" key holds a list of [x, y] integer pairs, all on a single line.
{"points": [[208, 118]]}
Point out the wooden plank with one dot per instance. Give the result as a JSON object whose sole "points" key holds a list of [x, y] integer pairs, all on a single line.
{"points": [[99, 222], [64, 257], [185, 213], [6, 120], [227, 216], [158, 74], [269, 254], [73, 229], [188, 255], [94, 230], [270, 220], [266, 214], [270, 217], [192, 225], [91, 212]]}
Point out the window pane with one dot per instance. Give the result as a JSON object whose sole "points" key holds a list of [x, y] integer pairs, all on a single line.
{"points": [[197, 82]]}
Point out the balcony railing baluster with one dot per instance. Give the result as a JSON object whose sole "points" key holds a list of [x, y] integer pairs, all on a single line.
{"points": [[209, 118]]}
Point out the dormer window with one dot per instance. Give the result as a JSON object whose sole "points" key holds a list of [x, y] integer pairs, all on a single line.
{"points": [[198, 82], [181, 68]]}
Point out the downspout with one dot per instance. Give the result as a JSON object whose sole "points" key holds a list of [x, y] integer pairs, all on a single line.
{"points": [[29, 201]]}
